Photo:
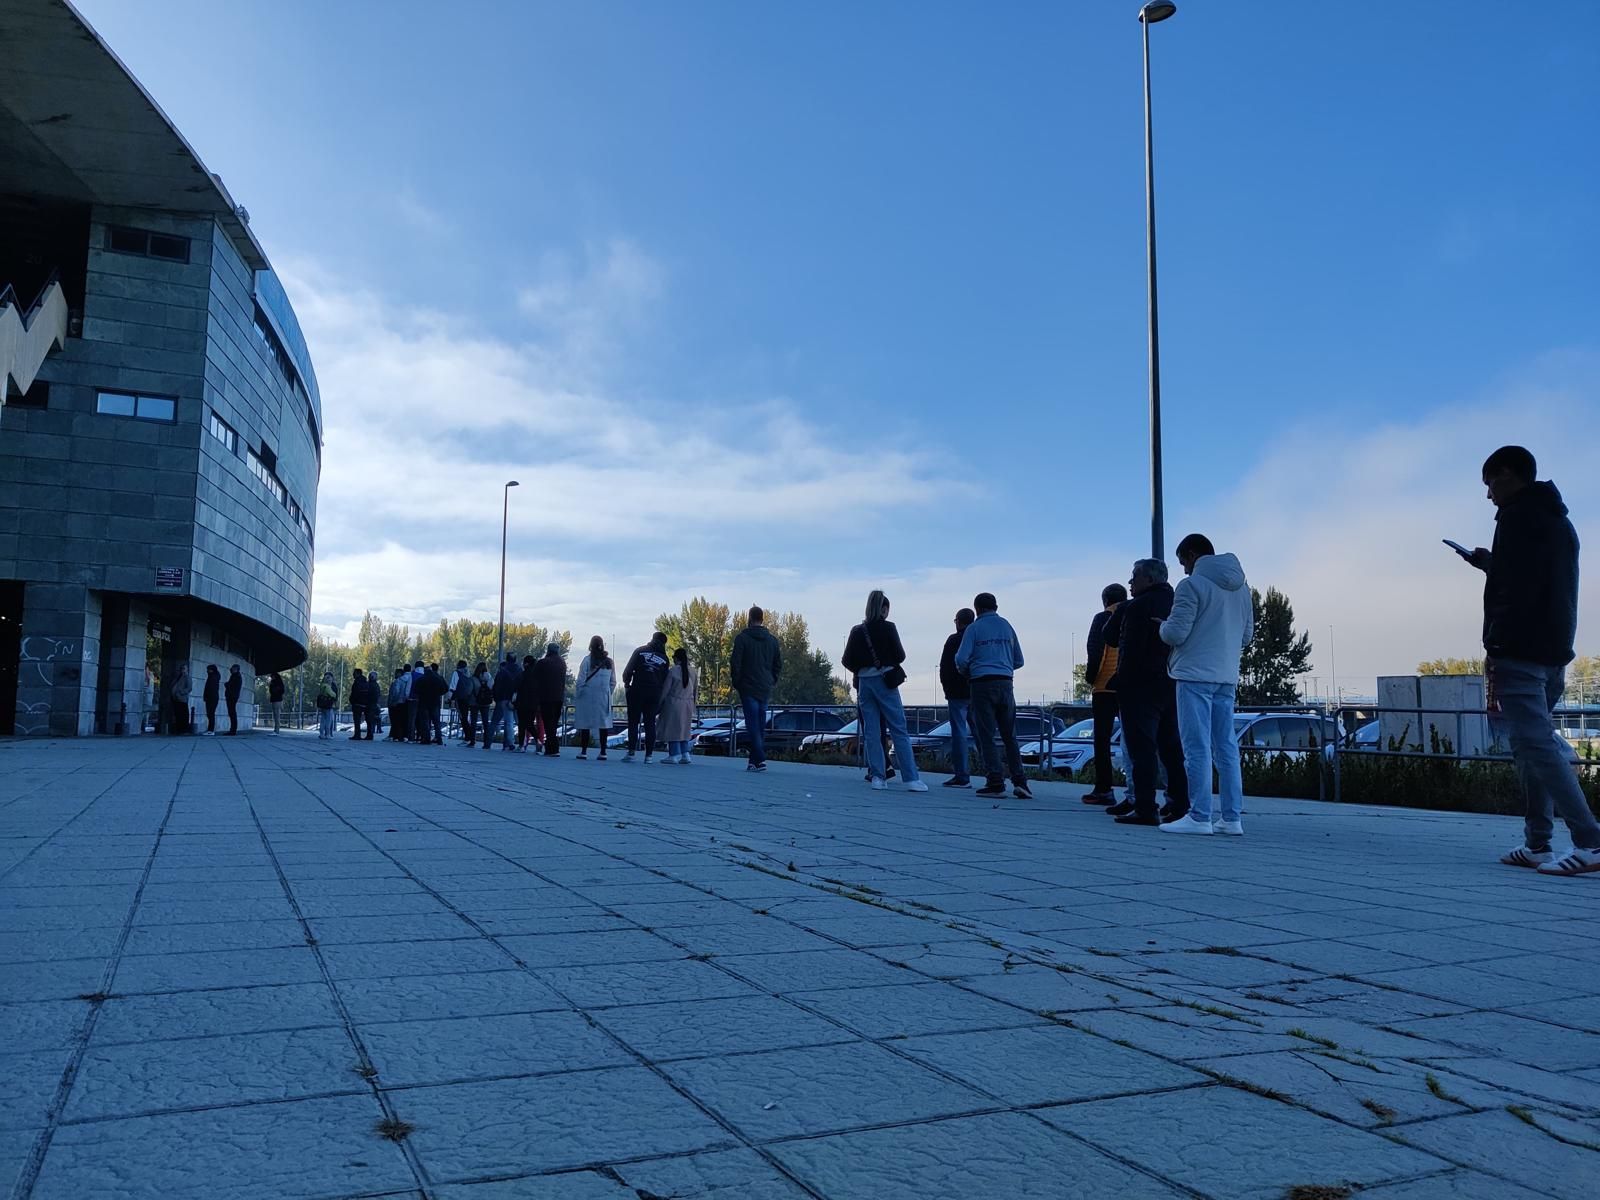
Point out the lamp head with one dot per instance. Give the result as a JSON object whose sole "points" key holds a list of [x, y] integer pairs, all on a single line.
{"points": [[511, 483], [1156, 10]]}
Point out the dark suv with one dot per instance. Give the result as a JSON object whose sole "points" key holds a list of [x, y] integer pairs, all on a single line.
{"points": [[786, 729]]}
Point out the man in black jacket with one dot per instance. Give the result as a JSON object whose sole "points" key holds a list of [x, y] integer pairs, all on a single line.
{"points": [[642, 680], [1148, 697], [1100, 667], [230, 692], [958, 697], [360, 697], [428, 691], [550, 688], [1530, 622]]}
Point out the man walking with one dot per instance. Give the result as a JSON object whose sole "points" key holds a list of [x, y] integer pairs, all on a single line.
{"points": [[1530, 622], [275, 700], [550, 689], [1212, 621], [1100, 667], [1147, 697], [754, 667], [642, 680], [958, 699], [230, 693], [989, 655]]}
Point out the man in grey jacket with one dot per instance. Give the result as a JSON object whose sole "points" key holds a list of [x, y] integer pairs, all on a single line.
{"points": [[1212, 621], [989, 656]]}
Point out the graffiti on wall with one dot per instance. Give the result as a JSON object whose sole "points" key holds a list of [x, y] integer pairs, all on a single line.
{"points": [[44, 663]]}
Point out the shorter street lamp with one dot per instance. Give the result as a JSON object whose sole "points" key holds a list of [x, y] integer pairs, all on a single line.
{"points": [[505, 514]]}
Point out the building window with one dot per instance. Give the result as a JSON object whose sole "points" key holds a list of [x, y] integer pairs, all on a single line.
{"points": [[223, 432], [262, 472], [145, 408], [125, 240]]}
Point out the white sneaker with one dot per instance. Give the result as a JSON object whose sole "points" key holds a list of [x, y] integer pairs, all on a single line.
{"points": [[1524, 857], [646, 760], [879, 785], [683, 760], [1236, 828], [628, 757], [1574, 862], [1187, 825], [916, 785]]}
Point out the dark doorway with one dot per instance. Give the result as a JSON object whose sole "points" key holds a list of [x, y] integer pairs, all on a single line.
{"points": [[10, 652]]}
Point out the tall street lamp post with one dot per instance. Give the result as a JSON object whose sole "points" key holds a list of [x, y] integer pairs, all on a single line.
{"points": [[1149, 14], [505, 514]]}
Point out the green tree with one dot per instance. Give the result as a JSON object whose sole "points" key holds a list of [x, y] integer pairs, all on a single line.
{"points": [[1082, 689], [807, 673], [1275, 656], [705, 629], [1451, 666]]}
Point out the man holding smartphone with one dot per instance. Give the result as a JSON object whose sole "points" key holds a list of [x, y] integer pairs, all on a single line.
{"points": [[1530, 622]]}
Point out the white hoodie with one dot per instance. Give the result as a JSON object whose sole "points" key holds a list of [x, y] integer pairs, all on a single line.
{"points": [[1211, 623]]}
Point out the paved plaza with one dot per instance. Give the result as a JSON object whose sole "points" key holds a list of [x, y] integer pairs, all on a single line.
{"points": [[274, 967]]}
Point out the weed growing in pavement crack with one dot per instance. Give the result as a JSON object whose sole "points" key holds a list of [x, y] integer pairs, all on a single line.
{"points": [[95, 997], [1244, 1085], [1103, 953], [1437, 1089], [365, 1070], [1318, 1191], [394, 1129], [1382, 1111], [1311, 1037], [1522, 1114], [793, 868], [1228, 951]]}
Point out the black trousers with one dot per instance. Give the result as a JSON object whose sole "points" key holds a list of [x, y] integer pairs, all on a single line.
{"points": [[464, 711], [994, 724], [413, 719], [358, 712], [373, 711], [1150, 731], [428, 723], [211, 716], [550, 714], [233, 716], [397, 722], [180, 716], [1106, 710], [645, 707]]}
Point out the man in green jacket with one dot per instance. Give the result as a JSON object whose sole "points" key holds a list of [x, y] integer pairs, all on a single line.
{"points": [[756, 664]]}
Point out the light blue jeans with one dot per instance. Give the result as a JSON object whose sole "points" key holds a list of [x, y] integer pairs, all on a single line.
{"points": [[677, 749], [327, 721], [881, 709], [1205, 725], [958, 738], [1525, 693]]}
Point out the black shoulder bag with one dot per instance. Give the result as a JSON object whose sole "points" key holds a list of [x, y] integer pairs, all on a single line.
{"points": [[895, 675]]}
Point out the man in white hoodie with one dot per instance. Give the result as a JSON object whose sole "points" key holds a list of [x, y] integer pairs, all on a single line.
{"points": [[1212, 622]]}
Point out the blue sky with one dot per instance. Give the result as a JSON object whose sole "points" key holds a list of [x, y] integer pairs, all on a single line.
{"points": [[780, 302]]}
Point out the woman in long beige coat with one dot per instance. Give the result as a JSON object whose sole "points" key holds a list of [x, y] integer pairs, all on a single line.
{"points": [[677, 707]]}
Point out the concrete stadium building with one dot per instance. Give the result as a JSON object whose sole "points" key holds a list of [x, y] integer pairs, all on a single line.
{"points": [[160, 438]]}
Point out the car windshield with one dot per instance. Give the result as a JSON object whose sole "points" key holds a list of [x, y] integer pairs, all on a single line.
{"points": [[853, 727], [1083, 731]]}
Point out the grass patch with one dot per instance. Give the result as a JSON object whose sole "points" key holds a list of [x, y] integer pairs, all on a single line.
{"points": [[1255, 1089], [1522, 1114], [393, 1129], [755, 866], [1382, 1111], [922, 906], [1438, 1090], [1328, 1043], [1318, 1191], [1103, 953], [1214, 1011]]}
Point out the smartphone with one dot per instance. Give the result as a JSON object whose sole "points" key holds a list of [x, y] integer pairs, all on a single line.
{"points": [[1458, 548]]}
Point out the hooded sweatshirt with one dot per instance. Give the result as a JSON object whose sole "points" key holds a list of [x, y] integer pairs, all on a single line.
{"points": [[1212, 622], [1530, 598], [646, 671]]}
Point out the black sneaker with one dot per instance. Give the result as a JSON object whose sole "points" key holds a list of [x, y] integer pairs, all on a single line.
{"points": [[1139, 819], [958, 783], [1120, 810], [755, 766], [1020, 790], [1099, 797], [991, 789]]}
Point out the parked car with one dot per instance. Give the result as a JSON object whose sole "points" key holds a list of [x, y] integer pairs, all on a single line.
{"points": [[1073, 750], [786, 729], [845, 738], [1285, 731], [1365, 738], [1030, 727]]}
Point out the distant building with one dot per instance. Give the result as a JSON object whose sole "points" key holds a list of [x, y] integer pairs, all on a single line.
{"points": [[160, 439]]}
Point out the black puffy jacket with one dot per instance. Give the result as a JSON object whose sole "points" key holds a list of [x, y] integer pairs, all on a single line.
{"points": [[1530, 598]]}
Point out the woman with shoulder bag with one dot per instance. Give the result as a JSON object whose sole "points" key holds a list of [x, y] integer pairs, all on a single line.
{"points": [[873, 653], [597, 679]]}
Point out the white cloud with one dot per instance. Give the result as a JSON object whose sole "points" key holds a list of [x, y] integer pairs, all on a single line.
{"points": [[627, 510]]}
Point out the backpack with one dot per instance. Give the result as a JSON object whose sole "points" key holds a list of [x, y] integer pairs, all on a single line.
{"points": [[483, 694]]}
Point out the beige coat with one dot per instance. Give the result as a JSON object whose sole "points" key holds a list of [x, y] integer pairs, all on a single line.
{"points": [[677, 705]]}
